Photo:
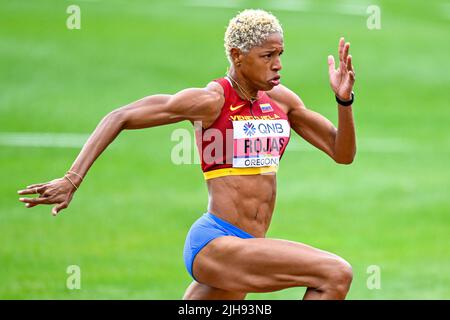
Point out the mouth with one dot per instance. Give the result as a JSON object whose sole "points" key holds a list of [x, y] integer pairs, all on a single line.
{"points": [[275, 81]]}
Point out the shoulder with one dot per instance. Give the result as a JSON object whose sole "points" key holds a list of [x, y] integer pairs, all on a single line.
{"points": [[286, 98], [205, 103], [208, 99], [215, 91], [216, 97]]}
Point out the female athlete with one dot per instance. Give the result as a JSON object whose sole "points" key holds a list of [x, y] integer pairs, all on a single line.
{"points": [[252, 114]]}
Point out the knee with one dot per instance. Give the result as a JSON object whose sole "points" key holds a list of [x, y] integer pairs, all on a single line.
{"points": [[339, 278]]}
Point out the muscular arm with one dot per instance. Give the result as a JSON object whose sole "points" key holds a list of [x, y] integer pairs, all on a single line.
{"points": [[191, 104], [338, 143]]}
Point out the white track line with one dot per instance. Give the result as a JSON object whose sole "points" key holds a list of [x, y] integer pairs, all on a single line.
{"points": [[30, 139]]}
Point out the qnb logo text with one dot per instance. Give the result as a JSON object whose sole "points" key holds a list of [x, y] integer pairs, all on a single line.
{"points": [[269, 128]]}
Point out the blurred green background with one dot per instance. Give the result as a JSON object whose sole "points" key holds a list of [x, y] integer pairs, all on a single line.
{"points": [[126, 225]]}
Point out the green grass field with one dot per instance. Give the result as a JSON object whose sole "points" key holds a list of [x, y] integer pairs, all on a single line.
{"points": [[126, 226]]}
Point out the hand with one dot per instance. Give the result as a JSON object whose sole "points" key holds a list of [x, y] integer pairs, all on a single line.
{"points": [[59, 191], [342, 79]]}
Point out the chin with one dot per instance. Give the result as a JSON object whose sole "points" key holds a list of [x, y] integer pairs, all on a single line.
{"points": [[267, 87]]}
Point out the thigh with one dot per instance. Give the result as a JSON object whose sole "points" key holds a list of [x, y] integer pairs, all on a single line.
{"points": [[262, 265], [200, 291]]}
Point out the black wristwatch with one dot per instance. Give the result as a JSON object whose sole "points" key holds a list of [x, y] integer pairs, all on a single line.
{"points": [[345, 103]]}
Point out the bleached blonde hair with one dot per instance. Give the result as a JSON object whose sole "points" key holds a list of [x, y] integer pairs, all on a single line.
{"points": [[250, 28]]}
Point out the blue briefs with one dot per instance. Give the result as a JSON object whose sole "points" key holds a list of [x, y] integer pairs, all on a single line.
{"points": [[208, 227]]}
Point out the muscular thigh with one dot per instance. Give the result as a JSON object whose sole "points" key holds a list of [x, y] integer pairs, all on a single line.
{"points": [[261, 264]]}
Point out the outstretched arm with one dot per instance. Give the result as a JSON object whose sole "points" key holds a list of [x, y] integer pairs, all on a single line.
{"points": [[190, 104]]}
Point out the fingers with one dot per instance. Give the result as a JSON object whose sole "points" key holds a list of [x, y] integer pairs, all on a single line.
{"points": [[59, 207], [350, 69], [343, 54], [331, 66], [32, 190], [36, 201], [352, 76], [53, 192], [38, 188], [36, 185], [349, 63], [343, 62], [341, 48]]}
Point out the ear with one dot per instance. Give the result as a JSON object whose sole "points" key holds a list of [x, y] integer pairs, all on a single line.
{"points": [[236, 56]]}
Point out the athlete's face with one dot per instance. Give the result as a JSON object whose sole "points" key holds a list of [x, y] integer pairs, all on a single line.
{"points": [[261, 65]]}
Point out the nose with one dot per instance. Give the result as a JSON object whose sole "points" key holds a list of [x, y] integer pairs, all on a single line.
{"points": [[276, 66]]}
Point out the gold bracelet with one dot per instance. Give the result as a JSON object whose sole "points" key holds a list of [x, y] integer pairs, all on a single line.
{"points": [[75, 174], [71, 182]]}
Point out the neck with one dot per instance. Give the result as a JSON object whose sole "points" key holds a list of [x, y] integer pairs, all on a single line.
{"points": [[244, 90]]}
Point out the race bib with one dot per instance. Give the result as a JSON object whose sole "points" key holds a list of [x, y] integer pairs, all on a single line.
{"points": [[259, 143]]}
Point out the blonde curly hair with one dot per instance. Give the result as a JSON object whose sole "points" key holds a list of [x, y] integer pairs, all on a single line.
{"points": [[250, 28]]}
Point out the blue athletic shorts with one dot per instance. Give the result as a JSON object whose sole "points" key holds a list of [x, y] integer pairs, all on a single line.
{"points": [[208, 227]]}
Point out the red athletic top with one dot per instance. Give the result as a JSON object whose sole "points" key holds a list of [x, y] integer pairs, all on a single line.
{"points": [[245, 139]]}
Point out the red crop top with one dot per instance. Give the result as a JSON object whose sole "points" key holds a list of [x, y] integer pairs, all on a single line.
{"points": [[245, 139]]}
